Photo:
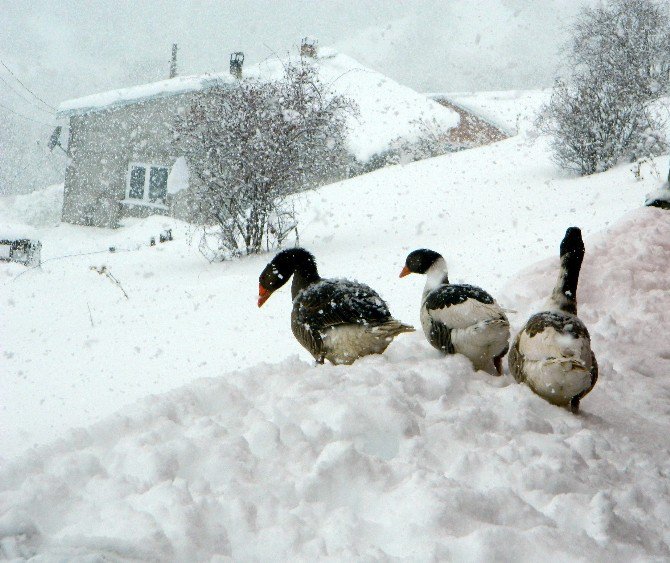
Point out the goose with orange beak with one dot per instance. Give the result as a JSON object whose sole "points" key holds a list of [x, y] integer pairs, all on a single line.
{"points": [[459, 319], [334, 319]]}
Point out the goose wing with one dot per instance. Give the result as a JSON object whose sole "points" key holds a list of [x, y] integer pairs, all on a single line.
{"points": [[553, 353], [331, 303], [461, 306]]}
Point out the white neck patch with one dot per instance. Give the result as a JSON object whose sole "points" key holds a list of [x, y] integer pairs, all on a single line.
{"points": [[435, 275]]}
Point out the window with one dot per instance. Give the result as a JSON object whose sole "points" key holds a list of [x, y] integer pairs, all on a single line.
{"points": [[147, 183]]}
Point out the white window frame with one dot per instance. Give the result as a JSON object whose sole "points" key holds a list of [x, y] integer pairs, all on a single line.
{"points": [[145, 195]]}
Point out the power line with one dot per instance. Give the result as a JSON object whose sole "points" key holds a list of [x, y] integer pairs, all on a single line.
{"points": [[32, 104], [26, 87], [10, 110]]}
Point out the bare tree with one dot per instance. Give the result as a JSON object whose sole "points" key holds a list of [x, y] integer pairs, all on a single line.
{"points": [[253, 145], [604, 110]]}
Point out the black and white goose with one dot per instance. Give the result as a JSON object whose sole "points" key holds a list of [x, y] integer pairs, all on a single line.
{"points": [[552, 354], [459, 319], [334, 319]]}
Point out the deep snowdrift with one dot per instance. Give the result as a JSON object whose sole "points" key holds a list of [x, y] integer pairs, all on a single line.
{"points": [[403, 455], [41, 208]]}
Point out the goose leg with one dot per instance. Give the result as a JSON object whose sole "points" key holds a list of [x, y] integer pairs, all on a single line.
{"points": [[497, 362], [574, 405]]}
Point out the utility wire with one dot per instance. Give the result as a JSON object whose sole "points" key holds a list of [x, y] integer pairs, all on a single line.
{"points": [[10, 110], [31, 103], [26, 87], [73, 256]]}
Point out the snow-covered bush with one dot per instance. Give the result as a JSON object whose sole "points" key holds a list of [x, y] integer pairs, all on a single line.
{"points": [[256, 143], [603, 111]]}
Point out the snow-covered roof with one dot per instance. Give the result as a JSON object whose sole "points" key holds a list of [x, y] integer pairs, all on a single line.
{"points": [[387, 109], [134, 94]]}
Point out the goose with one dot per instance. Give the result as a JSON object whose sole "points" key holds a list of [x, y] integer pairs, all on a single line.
{"points": [[459, 319], [334, 319], [552, 353]]}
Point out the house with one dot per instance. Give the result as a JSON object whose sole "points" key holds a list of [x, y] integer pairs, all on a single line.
{"points": [[472, 130], [122, 150], [126, 162]]}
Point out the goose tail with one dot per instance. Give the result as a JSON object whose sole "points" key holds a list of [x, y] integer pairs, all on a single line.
{"points": [[391, 328]]}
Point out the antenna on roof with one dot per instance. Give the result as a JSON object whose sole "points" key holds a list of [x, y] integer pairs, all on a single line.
{"points": [[236, 61], [173, 61], [54, 140]]}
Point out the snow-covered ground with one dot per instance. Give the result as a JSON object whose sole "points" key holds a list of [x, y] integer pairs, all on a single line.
{"points": [[206, 431]]}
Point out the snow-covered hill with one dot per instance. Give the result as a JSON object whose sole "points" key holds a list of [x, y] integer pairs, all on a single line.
{"points": [[237, 446]]}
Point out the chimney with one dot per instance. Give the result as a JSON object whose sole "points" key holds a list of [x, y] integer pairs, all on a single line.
{"points": [[173, 61], [236, 60], [308, 47]]}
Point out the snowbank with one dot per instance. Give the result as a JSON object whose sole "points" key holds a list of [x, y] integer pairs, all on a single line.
{"points": [[406, 455], [40, 208]]}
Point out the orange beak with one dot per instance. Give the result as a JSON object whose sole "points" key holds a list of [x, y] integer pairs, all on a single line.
{"points": [[405, 272], [263, 295]]}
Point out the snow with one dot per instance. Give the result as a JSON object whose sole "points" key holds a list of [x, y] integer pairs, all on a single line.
{"points": [[154, 90], [184, 423], [40, 208], [510, 110], [662, 194], [178, 179], [386, 110]]}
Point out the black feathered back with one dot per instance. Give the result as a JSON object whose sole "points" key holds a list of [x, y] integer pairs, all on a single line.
{"points": [[336, 302]]}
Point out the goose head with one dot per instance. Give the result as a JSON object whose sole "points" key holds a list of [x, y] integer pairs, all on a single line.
{"points": [[285, 264], [429, 262]]}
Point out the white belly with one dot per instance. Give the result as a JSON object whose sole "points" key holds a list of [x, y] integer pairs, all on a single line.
{"points": [[556, 366], [478, 331], [481, 342], [345, 343]]}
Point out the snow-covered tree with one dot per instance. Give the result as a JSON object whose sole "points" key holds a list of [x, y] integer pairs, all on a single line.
{"points": [[605, 109], [253, 145]]}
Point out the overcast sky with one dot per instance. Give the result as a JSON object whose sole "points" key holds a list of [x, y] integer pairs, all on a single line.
{"points": [[74, 47]]}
